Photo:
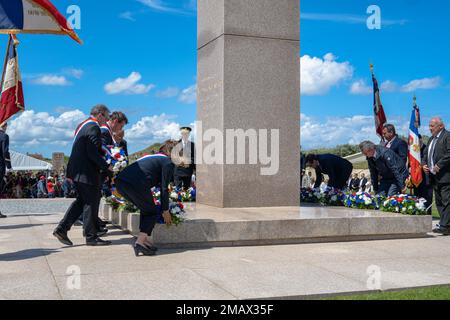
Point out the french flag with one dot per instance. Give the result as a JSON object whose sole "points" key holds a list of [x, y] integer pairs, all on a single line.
{"points": [[414, 147], [12, 92], [33, 16]]}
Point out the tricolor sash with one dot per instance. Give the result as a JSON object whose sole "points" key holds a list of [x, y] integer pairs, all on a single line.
{"points": [[108, 128], [82, 125], [157, 155]]}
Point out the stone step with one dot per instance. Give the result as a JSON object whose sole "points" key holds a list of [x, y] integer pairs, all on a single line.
{"points": [[208, 226]]}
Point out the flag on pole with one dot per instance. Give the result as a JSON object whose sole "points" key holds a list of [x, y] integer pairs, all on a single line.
{"points": [[380, 116], [414, 155], [12, 92], [33, 16]]}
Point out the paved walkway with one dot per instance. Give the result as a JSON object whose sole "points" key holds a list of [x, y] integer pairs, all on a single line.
{"points": [[33, 265]]}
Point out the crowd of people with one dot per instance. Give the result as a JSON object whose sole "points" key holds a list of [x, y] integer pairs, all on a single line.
{"points": [[32, 185]]}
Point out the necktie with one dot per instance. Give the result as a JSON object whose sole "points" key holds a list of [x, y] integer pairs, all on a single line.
{"points": [[431, 153]]}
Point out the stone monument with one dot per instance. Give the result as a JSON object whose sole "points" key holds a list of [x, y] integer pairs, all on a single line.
{"points": [[249, 85]]}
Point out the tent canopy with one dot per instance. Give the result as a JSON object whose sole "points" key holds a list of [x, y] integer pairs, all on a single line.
{"points": [[22, 162]]}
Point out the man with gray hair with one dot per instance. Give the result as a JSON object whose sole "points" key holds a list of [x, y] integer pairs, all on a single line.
{"points": [[436, 164], [386, 164]]}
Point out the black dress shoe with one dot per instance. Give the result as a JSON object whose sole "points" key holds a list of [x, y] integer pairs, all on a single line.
{"points": [[2, 215], [142, 249], [443, 231], [62, 237], [102, 232], [98, 242]]}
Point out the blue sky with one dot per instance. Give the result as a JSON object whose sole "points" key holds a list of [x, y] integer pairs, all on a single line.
{"points": [[139, 56]]}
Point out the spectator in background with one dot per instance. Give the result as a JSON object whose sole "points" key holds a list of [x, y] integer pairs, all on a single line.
{"points": [[306, 181], [50, 188], [354, 183], [42, 188], [363, 183]]}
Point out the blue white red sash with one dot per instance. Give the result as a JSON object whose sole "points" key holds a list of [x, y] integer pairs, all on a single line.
{"points": [[108, 128], [157, 155], [83, 124]]}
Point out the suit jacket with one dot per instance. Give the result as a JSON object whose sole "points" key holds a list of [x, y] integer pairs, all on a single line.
{"points": [[389, 166], [337, 169], [107, 139], [5, 157], [441, 158], [400, 147], [186, 171], [86, 160], [354, 183], [124, 145], [149, 172]]}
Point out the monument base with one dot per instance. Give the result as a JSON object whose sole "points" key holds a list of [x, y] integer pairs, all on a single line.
{"points": [[209, 226]]}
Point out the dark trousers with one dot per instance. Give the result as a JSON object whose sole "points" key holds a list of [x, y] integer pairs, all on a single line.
{"points": [[86, 204], [389, 188], [442, 194], [183, 181], [142, 199]]}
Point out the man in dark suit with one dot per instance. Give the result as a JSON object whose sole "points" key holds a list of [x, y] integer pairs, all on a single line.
{"points": [[114, 125], [385, 163], [185, 160], [337, 168], [425, 189], [436, 164], [85, 166], [354, 183], [393, 142], [121, 142], [5, 158]]}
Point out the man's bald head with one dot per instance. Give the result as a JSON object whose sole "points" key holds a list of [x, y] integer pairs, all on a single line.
{"points": [[436, 125]]}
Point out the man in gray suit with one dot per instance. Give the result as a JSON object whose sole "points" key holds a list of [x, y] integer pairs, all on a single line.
{"points": [[436, 164]]}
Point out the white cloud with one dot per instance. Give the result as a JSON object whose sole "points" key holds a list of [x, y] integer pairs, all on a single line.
{"points": [[168, 93], [73, 72], [51, 80], [128, 85], [152, 129], [389, 86], [318, 75], [360, 87], [127, 15], [189, 95], [425, 83], [162, 6], [333, 131], [347, 18], [33, 128]]}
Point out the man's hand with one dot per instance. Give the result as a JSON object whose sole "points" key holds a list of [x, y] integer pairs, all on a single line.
{"points": [[437, 169], [167, 217], [426, 169]]}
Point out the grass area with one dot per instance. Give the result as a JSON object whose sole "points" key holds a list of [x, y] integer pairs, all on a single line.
{"points": [[432, 293], [435, 212]]}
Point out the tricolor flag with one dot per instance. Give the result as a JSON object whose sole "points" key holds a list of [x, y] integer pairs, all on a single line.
{"points": [[12, 93], [414, 147], [33, 16], [380, 116]]}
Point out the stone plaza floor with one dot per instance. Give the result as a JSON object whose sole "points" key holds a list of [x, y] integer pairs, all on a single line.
{"points": [[34, 265]]}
